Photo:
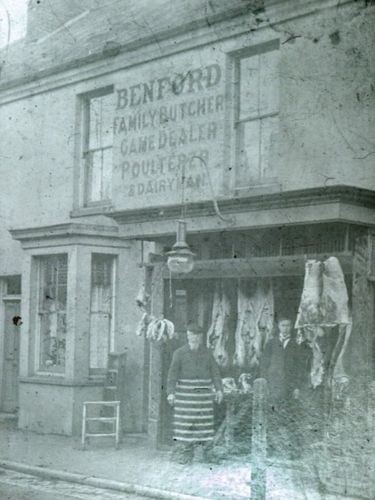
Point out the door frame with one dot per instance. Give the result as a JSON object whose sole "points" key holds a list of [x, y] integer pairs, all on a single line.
{"points": [[4, 298]]}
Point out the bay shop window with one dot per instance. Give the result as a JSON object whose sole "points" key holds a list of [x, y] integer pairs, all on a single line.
{"points": [[51, 312], [98, 111], [102, 302], [256, 115]]}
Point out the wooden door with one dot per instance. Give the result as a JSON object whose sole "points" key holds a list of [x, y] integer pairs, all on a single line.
{"points": [[9, 398]]}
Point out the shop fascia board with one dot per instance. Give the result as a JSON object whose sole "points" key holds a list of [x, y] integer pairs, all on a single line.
{"points": [[289, 265], [334, 211], [168, 43], [68, 235], [241, 221]]}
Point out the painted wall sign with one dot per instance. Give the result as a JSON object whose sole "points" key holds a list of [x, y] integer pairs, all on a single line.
{"points": [[169, 126]]}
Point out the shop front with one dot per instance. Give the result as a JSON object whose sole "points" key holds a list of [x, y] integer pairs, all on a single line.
{"points": [[243, 283]]}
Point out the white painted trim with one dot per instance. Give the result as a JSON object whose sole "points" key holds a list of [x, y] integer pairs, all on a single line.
{"points": [[36, 319], [49, 374], [12, 298], [112, 337], [2, 335]]}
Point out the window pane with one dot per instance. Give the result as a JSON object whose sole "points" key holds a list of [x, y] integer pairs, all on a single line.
{"points": [[107, 174], [269, 130], [259, 85], [269, 82], [53, 286], [99, 175], [101, 305], [249, 86], [52, 312], [248, 153], [13, 285], [94, 176], [101, 111], [100, 324]]}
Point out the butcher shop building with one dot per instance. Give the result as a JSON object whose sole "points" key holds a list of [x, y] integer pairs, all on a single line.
{"points": [[245, 132]]}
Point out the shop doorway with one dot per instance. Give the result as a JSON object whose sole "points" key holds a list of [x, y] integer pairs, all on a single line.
{"points": [[184, 301], [11, 328]]}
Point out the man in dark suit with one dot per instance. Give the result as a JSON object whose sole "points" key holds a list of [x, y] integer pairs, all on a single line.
{"points": [[286, 366]]}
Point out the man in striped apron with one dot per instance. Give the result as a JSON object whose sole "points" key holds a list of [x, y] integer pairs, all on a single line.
{"points": [[191, 378]]}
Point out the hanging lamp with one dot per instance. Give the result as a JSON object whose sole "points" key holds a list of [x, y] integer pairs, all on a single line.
{"points": [[180, 258]]}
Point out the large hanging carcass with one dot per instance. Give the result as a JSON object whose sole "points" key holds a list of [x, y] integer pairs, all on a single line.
{"points": [[254, 323]]}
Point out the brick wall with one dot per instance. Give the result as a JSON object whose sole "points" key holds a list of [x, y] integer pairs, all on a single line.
{"points": [[44, 17]]}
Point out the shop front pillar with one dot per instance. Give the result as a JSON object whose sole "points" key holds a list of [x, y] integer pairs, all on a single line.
{"points": [[129, 281], [156, 390], [79, 292], [27, 359]]}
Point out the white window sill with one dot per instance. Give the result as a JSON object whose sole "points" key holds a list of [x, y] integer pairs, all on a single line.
{"points": [[261, 186], [53, 380], [97, 209]]}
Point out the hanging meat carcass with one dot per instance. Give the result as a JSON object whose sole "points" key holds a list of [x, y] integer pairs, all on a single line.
{"points": [[254, 324], [334, 299], [240, 338], [218, 333], [324, 303], [142, 297], [265, 322], [311, 334], [309, 309]]}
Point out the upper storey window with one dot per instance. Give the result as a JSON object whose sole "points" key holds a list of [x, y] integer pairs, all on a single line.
{"points": [[97, 147], [256, 115]]}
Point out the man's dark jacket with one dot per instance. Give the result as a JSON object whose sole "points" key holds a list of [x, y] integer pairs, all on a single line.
{"points": [[285, 369], [193, 365]]}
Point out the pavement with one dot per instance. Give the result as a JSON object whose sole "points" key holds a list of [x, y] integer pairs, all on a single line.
{"points": [[137, 468], [18, 486]]}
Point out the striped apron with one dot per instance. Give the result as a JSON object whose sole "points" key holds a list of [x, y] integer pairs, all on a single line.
{"points": [[193, 411]]}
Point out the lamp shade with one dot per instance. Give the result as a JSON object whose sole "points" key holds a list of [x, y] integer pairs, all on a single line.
{"points": [[180, 258]]}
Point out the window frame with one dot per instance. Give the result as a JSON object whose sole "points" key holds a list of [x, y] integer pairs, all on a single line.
{"points": [[237, 122], [86, 151], [38, 369], [93, 372]]}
